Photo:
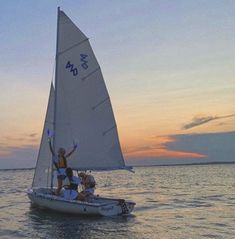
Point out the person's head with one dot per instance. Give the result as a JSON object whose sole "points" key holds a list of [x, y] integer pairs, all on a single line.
{"points": [[61, 151], [89, 181], [82, 175], [69, 172]]}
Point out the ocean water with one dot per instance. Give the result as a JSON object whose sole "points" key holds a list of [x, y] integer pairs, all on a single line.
{"points": [[173, 202]]}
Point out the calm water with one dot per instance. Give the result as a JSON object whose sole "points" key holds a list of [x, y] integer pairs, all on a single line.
{"points": [[172, 202]]}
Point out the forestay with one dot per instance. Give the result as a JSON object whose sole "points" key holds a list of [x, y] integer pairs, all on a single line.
{"points": [[42, 175], [83, 111]]}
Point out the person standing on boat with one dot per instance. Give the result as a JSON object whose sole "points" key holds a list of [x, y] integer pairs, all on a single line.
{"points": [[71, 190], [60, 162]]}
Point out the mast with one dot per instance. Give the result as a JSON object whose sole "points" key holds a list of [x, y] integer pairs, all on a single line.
{"points": [[55, 102]]}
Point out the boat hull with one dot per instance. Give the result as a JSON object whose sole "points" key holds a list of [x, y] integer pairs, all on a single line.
{"points": [[99, 206]]}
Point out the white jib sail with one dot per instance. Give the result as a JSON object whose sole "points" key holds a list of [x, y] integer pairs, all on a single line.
{"points": [[42, 175], [83, 111]]}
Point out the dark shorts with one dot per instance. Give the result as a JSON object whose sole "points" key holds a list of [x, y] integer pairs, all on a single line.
{"points": [[62, 177]]}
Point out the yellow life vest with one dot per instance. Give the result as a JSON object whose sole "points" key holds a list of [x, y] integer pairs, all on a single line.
{"points": [[62, 162]]}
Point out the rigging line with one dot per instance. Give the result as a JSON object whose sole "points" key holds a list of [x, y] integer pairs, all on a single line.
{"points": [[71, 47], [53, 72], [56, 92], [49, 169]]}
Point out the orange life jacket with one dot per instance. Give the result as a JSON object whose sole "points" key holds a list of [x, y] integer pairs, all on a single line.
{"points": [[62, 162]]}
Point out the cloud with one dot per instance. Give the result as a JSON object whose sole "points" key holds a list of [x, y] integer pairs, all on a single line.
{"points": [[157, 148], [219, 147], [196, 121], [185, 149], [18, 157], [10, 144]]}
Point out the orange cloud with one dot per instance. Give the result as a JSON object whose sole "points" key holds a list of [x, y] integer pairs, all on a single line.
{"points": [[156, 148], [9, 143]]}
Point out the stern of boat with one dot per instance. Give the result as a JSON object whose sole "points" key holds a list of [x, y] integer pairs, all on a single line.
{"points": [[117, 207]]}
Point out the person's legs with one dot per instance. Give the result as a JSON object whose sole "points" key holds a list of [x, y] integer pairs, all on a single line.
{"points": [[60, 184], [81, 196]]}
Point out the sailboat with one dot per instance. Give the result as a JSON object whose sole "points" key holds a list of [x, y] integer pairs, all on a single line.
{"points": [[79, 109]]}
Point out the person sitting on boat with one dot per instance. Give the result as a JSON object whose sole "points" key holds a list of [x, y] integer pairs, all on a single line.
{"points": [[71, 190], [60, 162], [89, 183]]}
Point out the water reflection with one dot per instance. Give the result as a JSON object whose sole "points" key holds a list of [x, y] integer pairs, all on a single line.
{"points": [[172, 203], [50, 224]]}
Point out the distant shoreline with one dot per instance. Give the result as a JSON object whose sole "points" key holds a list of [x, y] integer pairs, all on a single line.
{"points": [[183, 164], [12, 169], [139, 166]]}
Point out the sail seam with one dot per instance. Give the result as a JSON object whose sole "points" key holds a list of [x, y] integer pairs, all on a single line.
{"points": [[108, 130], [85, 77], [70, 48], [100, 103]]}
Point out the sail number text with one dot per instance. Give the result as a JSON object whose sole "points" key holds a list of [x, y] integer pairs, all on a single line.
{"points": [[83, 63]]}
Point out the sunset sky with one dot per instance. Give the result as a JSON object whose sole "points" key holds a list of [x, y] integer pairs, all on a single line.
{"points": [[169, 67]]}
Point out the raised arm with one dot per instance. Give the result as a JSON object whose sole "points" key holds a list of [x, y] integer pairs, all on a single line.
{"points": [[53, 153], [72, 151], [49, 135], [50, 146]]}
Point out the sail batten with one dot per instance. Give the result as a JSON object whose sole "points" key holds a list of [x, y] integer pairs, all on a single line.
{"points": [[100, 103], [70, 48], [85, 77]]}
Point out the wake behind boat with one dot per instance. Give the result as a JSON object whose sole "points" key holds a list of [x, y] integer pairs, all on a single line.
{"points": [[79, 110]]}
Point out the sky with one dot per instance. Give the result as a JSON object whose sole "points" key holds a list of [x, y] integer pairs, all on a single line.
{"points": [[168, 66]]}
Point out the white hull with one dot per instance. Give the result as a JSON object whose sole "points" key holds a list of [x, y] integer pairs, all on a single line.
{"points": [[98, 206]]}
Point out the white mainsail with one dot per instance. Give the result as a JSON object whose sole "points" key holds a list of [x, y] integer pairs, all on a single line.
{"points": [[83, 111], [42, 175]]}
